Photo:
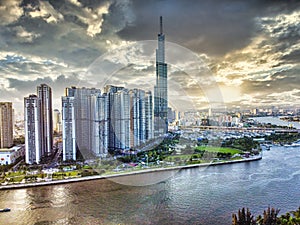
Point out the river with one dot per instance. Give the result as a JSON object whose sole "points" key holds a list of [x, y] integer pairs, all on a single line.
{"points": [[191, 196], [276, 121]]}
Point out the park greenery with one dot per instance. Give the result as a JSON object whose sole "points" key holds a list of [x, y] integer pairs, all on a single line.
{"points": [[163, 154], [182, 151], [282, 138], [269, 217], [173, 150]]}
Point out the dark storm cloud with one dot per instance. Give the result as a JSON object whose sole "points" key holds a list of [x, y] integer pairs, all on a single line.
{"points": [[57, 84], [72, 31], [293, 57], [20, 88], [280, 82], [65, 42], [214, 27]]}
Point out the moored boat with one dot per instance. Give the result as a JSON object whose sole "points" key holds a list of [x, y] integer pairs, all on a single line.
{"points": [[5, 210]]}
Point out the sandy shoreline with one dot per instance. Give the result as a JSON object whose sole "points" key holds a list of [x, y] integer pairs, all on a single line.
{"points": [[81, 179]]}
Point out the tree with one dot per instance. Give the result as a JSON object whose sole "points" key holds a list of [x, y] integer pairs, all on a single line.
{"points": [[270, 216], [296, 213], [244, 218]]}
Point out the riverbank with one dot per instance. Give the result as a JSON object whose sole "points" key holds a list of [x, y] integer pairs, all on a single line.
{"points": [[132, 173]]}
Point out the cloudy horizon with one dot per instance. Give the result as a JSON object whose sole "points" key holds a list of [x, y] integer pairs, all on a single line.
{"points": [[250, 48]]}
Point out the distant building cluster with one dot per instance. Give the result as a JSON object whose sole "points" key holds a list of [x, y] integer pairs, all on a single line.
{"points": [[96, 122], [57, 121]]}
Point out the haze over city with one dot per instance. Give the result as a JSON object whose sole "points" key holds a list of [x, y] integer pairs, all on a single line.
{"points": [[250, 48]]}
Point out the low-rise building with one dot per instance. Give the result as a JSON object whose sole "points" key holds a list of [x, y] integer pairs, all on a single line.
{"points": [[10, 155]]}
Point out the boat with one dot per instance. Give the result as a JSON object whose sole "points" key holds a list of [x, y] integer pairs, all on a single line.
{"points": [[295, 144], [267, 146], [292, 145], [5, 210]]}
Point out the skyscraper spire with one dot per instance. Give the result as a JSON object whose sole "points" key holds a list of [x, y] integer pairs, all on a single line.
{"points": [[161, 25], [161, 88]]}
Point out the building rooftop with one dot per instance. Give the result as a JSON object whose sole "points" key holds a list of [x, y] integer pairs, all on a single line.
{"points": [[12, 149]]}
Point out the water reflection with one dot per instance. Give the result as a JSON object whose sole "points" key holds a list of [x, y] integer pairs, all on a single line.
{"points": [[47, 204]]}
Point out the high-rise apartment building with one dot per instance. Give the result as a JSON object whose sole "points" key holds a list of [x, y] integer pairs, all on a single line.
{"points": [[33, 129], [161, 88], [121, 119], [81, 109], [44, 93], [140, 116], [68, 128], [99, 131], [56, 121], [117, 119], [6, 125], [148, 116], [134, 118], [38, 124], [110, 90]]}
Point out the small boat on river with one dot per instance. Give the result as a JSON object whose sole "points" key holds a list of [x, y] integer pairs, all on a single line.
{"points": [[5, 210]]}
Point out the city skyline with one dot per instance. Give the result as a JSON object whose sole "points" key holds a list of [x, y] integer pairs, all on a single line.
{"points": [[251, 48]]}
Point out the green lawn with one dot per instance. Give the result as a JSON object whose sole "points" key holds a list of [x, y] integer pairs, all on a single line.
{"points": [[17, 179], [185, 157], [178, 157], [14, 174], [65, 174], [232, 151], [71, 173]]}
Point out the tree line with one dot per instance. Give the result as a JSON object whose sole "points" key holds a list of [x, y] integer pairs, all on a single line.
{"points": [[269, 217]]}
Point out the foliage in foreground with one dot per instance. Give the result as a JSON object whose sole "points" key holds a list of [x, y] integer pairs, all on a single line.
{"points": [[269, 217]]}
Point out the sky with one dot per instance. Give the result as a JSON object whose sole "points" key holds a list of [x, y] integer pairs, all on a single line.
{"points": [[240, 53]]}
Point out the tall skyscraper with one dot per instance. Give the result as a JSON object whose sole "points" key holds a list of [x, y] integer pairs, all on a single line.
{"points": [[161, 88], [33, 134], [68, 128], [6, 125], [44, 93]]}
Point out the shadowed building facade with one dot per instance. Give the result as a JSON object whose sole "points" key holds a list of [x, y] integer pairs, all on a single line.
{"points": [[33, 129], [44, 93]]}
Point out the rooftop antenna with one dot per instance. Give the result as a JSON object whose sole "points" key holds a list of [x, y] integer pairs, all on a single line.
{"points": [[161, 26]]}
